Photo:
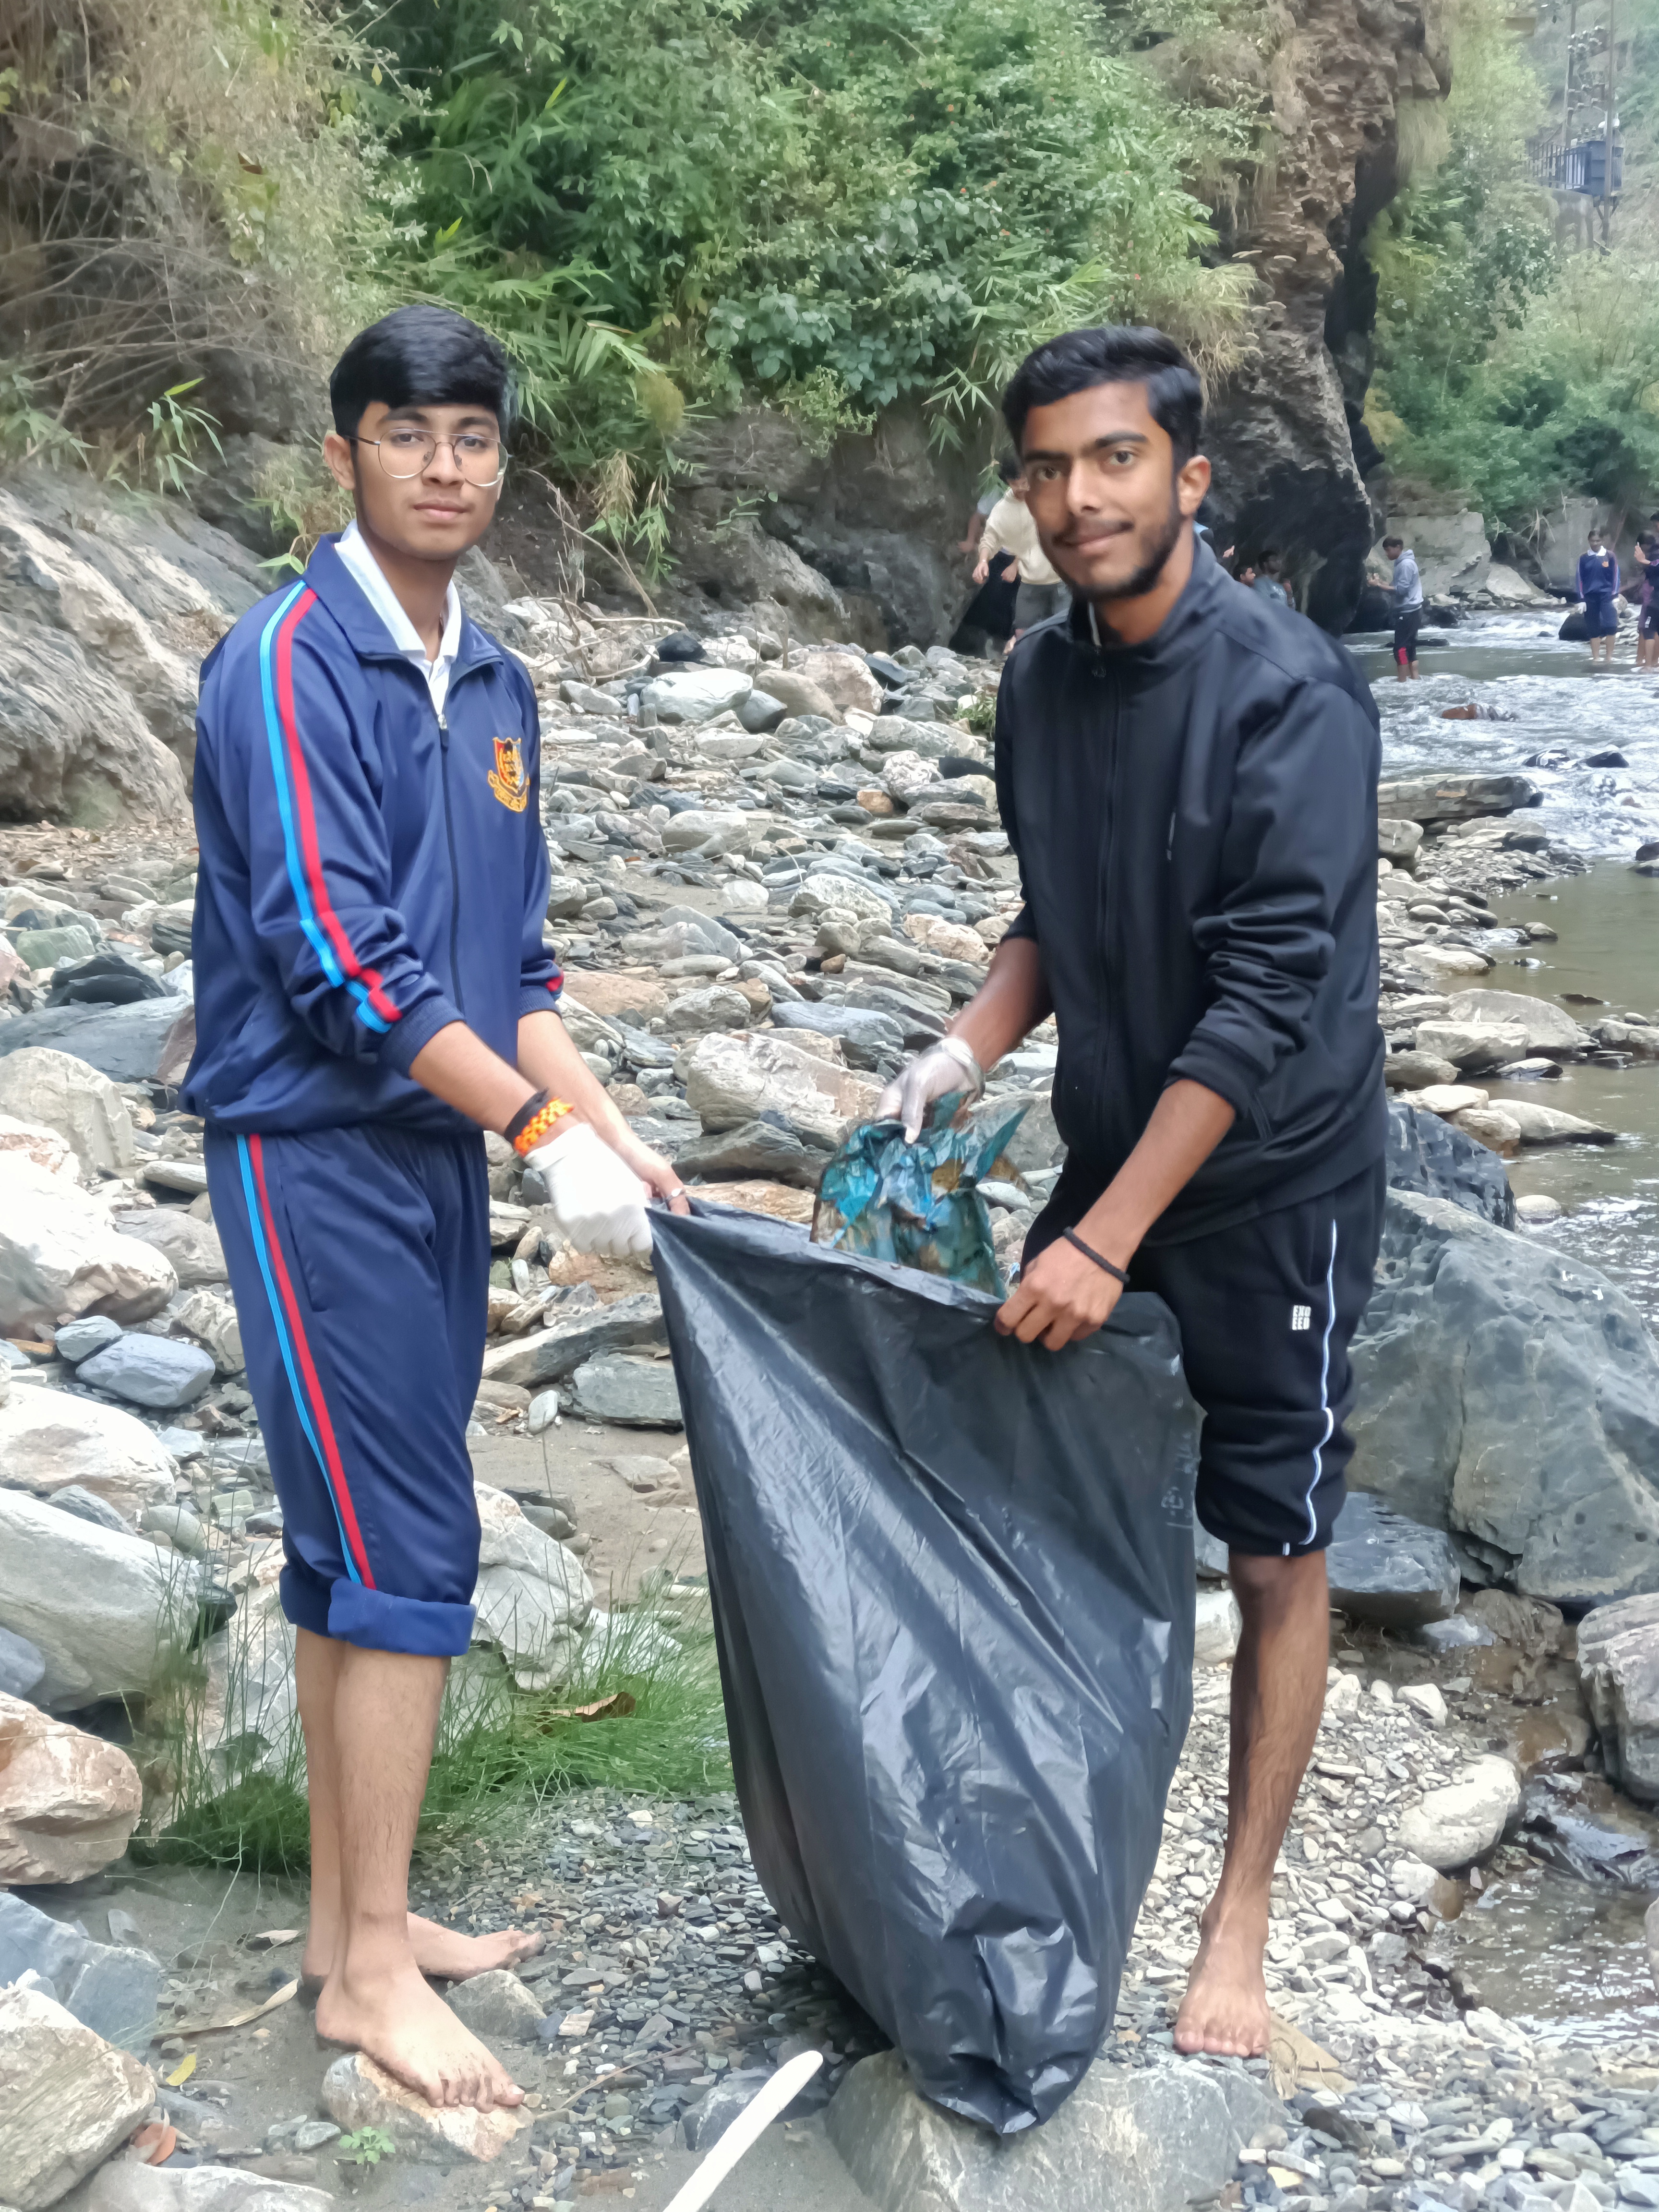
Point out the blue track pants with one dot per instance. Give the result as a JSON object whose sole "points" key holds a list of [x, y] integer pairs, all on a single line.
{"points": [[360, 1261]]}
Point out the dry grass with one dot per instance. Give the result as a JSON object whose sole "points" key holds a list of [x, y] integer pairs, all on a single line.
{"points": [[175, 180]]}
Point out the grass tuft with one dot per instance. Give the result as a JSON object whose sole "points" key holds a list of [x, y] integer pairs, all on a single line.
{"points": [[218, 1799]]}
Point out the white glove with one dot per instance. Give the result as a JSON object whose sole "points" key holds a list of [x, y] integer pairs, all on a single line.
{"points": [[945, 1066], [598, 1200]]}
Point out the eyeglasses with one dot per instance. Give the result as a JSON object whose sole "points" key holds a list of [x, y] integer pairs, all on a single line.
{"points": [[406, 453]]}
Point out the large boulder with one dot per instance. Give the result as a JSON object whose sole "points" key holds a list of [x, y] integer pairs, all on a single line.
{"points": [[1429, 800], [1548, 1124], [60, 1256], [73, 747], [733, 1080], [1168, 2135], [192, 1246], [689, 832], [50, 578], [44, 1147], [1472, 1046], [1386, 1569], [841, 677], [1548, 1029], [1510, 1394], [50, 1440], [162, 1372], [694, 693], [765, 1148], [635, 1393], [123, 2185], [532, 1596], [68, 1801], [1450, 1828], [357, 2094], [1427, 1155], [111, 1988], [869, 1039], [551, 1354], [99, 1607], [827, 892], [60, 1093], [1619, 1667], [127, 1043], [1559, 540], [67, 2098]]}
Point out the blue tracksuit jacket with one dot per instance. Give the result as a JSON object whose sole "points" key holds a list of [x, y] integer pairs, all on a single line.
{"points": [[369, 871]]}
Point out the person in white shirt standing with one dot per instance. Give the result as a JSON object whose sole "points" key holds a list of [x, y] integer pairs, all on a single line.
{"points": [[1009, 528]]}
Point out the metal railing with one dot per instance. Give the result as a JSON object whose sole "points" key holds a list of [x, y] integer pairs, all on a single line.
{"points": [[1580, 168]]}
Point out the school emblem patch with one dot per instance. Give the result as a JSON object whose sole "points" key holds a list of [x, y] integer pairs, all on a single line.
{"points": [[508, 779]]}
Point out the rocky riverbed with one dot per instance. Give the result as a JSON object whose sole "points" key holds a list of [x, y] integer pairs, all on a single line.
{"points": [[777, 871]]}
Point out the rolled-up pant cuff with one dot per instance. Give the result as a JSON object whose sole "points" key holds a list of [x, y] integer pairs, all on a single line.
{"points": [[379, 1621]]}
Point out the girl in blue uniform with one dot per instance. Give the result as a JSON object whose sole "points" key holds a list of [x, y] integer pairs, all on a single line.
{"points": [[1598, 588]]}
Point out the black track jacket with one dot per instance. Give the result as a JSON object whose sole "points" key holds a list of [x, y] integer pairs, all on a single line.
{"points": [[1195, 820]]}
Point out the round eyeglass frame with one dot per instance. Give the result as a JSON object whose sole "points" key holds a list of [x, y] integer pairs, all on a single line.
{"points": [[488, 484]]}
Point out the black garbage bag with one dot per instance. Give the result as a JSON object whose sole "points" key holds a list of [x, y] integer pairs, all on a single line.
{"points": [[952, 1586]]}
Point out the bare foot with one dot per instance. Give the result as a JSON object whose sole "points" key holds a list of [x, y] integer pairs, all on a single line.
{"points": [[1225, 2008], [404, 2025], [440, 1951], [457, 1958]]}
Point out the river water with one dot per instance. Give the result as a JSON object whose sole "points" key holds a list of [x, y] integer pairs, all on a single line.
{"points": [[1606, 922], [1564, 1957]]}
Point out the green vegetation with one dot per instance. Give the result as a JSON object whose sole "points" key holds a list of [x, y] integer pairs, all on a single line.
{"points": [[1511, 366], [182, 178], [836, 202], [365, 2147], [661, 206], [500, 1752]]}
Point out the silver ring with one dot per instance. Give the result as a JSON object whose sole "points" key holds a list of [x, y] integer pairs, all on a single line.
{"points": [[678, 1191]]}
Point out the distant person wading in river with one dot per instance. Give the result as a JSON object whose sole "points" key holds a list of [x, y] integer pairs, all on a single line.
{"points": [[1408, 589], [1598, 588], [1647, 620]]}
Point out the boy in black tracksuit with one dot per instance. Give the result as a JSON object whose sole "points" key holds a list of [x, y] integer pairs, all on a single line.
{"points": [[1188, 778]]}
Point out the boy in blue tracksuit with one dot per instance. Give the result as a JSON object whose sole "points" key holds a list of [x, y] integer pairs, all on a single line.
{"points": [[372, 992]]}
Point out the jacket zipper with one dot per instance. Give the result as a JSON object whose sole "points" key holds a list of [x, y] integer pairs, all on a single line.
{"points": [[1108, 943], [454, 875]]}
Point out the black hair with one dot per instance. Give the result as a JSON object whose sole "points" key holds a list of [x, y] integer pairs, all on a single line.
{"points": [[420, 356], [1392, 540], [1115, 354], [1268, 553], [1008, 468]]}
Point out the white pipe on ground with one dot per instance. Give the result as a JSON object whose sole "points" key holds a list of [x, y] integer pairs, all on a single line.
{"points": [[751, 2123]]}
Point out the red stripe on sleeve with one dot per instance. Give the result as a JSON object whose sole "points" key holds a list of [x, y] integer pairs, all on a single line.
{"points": [[306, 817]]}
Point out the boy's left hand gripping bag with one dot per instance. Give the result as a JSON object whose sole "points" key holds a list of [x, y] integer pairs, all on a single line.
{"points": [[952, 1584]]}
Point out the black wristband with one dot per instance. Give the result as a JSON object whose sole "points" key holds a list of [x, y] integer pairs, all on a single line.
{"points": [[1089, 1253], [526, 1115]]}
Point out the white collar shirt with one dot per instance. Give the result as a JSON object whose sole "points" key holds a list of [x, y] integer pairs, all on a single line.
{"points": [[370, 579]]}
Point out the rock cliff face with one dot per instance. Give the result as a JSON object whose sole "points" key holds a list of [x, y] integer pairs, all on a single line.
{"points": [[107, 603], [856, 541], [1289, 451]]}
